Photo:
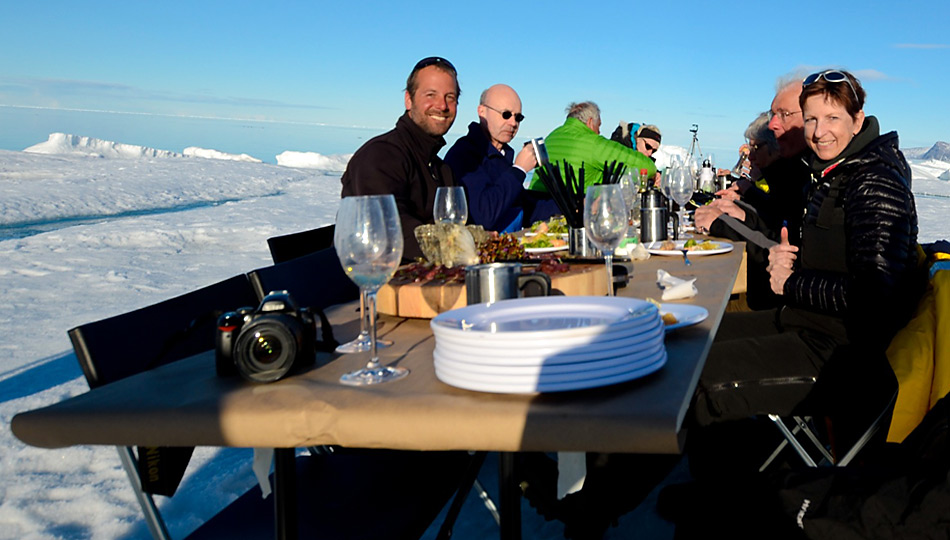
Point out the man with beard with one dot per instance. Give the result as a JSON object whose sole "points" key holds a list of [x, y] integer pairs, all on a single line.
{"points": [[404, 162], [493, 176]]}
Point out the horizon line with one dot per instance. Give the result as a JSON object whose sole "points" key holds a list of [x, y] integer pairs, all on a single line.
{"points": [[194, 116]]}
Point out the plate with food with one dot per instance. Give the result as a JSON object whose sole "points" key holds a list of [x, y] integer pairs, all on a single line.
{"points": [[544, 243], [693, 246], [555, 225], [679, 315]]}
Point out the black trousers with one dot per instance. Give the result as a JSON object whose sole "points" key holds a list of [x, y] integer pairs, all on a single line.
{"points": [[763, 362]]}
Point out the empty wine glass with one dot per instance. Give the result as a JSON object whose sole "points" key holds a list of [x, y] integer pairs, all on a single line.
{"points": [[361, 342], [681, 190], [695, 168], [450, 205], [630, 186], [369, 243], [605, 220]]}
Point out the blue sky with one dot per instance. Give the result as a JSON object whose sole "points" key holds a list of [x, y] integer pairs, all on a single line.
{"points": [[674, 64]]}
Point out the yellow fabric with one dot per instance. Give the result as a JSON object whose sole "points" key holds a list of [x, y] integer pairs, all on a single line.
{"points": [[762, 184], [920, 357]]}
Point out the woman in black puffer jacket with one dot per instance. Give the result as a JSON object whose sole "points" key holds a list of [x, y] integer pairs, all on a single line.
{"points": [[853, 283]]}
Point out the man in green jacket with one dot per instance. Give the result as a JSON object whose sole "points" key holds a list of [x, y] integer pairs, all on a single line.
{"points": [[579, 142]]}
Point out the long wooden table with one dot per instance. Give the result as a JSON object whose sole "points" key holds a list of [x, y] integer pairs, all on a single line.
{"points": [[186, 404]]}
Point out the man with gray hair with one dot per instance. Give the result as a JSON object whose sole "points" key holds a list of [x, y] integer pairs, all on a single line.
{"points": [[758, 217], [578, 142], [493, 176]]}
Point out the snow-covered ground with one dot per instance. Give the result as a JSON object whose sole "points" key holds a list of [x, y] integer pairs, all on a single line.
{"points": [[93, 229]]}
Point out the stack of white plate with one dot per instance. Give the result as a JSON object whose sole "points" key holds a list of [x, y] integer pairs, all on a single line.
{"points": [[548, 344]]}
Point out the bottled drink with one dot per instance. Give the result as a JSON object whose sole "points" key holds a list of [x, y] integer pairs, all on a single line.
{"points": [[644, 180], [707, 177]]}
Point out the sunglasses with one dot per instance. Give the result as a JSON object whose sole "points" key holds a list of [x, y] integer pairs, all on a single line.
{"points": [[433, 61], [650, 148], [505, 115], [832, 76]]}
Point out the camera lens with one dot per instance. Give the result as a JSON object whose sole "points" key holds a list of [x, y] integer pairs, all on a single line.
{"points": [[266, 349]]}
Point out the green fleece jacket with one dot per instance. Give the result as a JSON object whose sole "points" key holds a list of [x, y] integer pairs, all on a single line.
{"points": [[577, 144]]}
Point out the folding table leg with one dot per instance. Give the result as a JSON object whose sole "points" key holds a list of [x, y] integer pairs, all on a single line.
{"points": [[509, 497], [285, 493]]}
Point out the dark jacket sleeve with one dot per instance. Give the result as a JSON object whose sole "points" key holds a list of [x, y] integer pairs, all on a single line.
{"points": [[381, 168], [492, 185]]}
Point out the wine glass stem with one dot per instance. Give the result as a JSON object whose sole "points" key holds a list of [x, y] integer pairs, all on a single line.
{"points": [[371, 310], [609, 263], [363, 314]]}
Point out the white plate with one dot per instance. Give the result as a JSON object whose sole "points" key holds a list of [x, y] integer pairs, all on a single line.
{"points": [[654, 248], [546, 317], [512, 358], [562, 235], [686, 314], [502, 387], [546, 249], [627, 337], [579, 369], [544, 376]]}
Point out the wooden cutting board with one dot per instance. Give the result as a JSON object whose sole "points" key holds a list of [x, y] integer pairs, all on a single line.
{"points": [[426, 300]]}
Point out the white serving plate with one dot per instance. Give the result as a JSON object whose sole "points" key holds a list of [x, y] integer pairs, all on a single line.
{"points": [[526, 355], [502, 387], [546, 317], [551, 249], [579, 369], [623, 338], [653, 248], [686, 314]]}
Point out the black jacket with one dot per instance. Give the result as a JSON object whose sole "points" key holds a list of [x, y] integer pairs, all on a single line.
{"points": [[870, 278], [493, 186], [405, 163]]}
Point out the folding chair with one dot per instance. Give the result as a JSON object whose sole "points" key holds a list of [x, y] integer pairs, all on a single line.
{"points": [[291, 246], [124, 345], [801, 426]]}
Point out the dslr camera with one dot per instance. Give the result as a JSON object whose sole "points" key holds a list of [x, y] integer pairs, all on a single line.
{"points": [[267, 343]]}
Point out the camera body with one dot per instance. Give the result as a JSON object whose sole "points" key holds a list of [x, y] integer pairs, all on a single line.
{"points": [[267, 343]]}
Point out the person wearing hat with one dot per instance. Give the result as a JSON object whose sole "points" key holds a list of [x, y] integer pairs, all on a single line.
{"points": [[647, 137]]}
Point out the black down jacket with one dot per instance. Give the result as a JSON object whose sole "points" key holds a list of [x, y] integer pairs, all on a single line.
{"points": [[870, 276]]}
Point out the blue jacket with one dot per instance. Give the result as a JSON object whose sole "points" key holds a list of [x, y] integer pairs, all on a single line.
{"points": [[494, 188]]}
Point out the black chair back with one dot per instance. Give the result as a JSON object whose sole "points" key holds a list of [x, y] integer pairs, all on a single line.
{"points": [[316, 280], [291, 246], [127, 344]]}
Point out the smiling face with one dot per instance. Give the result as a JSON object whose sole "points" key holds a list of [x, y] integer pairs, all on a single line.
{"points": [[500, 98], [433, 105], [828, 126]]}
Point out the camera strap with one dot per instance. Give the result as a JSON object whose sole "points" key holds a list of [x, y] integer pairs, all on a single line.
{"points": [[328, 343]]}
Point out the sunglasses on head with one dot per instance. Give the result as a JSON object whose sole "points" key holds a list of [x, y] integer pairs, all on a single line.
{"points": [[832, 76], [433, 61], [505, 115]]}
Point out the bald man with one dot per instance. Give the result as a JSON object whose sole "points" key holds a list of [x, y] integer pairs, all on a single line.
{"points": [[492, 174]]}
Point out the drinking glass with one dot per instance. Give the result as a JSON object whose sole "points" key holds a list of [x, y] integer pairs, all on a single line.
{"points": [[605, 220], [369, 243], [450, 205], [681, 190], [361, 342], [695, 168], [630, 186]]}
